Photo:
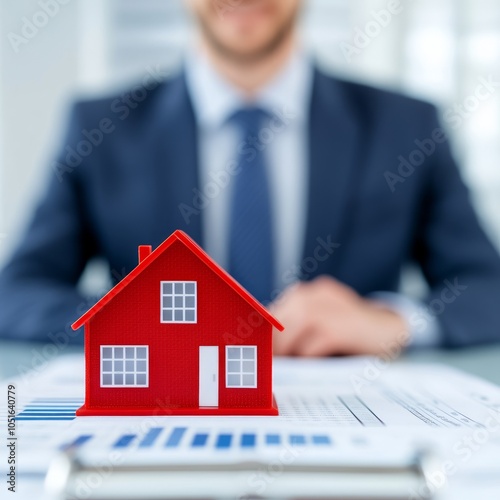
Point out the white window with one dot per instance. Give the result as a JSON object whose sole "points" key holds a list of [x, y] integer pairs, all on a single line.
{"points": [[178, 301], [241, 366], [124, 366]]}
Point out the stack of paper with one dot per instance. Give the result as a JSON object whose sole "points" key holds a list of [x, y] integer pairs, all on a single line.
{"points": [[333, 413]]}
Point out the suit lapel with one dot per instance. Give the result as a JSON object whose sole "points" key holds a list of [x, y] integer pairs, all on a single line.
{"points": [[333, 148]]}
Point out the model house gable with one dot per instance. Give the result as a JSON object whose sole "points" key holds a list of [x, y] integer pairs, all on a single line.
{"points": [[147, 257]]}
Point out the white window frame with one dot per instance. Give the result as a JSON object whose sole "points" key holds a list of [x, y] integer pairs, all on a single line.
{"points": [[175, 295], [124, 371], [241, 372]]}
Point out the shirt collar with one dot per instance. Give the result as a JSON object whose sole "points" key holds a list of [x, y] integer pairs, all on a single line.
{"points": [[215, 99]]}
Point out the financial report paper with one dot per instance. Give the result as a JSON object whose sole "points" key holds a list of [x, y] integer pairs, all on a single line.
{"points": [[345, 411]]}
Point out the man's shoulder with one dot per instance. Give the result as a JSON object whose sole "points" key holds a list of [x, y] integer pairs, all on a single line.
{"points": [[140, 101], [369, 100]]}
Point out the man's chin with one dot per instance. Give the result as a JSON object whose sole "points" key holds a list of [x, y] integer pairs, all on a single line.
{"points": [[246, 54]]}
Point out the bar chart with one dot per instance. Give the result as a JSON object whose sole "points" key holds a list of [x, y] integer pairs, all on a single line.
{"points": [[190, 437], [50, 409]]}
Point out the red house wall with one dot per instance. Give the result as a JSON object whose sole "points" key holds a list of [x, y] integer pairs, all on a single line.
{"points": [[223, 318]]}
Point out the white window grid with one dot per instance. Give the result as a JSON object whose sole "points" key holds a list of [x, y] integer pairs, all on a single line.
{"points": [[124, 366], [178, 301], [241, 367]]}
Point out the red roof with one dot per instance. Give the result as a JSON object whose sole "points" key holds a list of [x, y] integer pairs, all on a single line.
{"points": [[203, 256]]}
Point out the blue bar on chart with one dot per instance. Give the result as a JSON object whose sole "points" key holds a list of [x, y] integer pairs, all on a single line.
{"points": [[297, 440], [223, 441], [273, 439], [199, 440], [53, 402], [47, 407], [79, 441], [149, 439], [124, 441], [247, 440], [38, 413], [48, 413], [321, 440], [175, 437], [21, 417]]}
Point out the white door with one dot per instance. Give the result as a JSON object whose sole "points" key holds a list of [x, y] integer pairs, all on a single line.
{"points": [[209, 376]]}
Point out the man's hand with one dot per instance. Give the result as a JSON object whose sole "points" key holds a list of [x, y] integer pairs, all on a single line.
{"points": [[324, 317]]}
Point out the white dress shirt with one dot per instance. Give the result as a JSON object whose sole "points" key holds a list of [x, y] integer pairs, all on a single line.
{"points": [[288, 96]]}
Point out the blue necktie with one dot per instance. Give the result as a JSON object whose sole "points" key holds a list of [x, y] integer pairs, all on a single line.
{"points": [[250, 226]]}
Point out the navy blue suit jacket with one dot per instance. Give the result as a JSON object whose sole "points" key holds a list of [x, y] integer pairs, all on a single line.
{"points": [[130, 184]]}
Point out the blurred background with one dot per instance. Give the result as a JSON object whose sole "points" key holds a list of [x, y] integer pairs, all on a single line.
{"points": [[53, 51]]}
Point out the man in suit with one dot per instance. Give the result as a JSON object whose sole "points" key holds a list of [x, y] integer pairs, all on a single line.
{"points": [[295, 181]]}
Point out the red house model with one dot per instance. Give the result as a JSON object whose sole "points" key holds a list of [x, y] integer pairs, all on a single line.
{"points": [[178, 336]]}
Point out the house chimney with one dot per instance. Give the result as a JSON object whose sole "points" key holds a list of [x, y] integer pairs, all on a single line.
{"points": [[144, 252]]}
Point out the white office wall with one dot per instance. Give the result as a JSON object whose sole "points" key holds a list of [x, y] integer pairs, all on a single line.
{"points": [[37, 79], [478, 59], [434, 50]]}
